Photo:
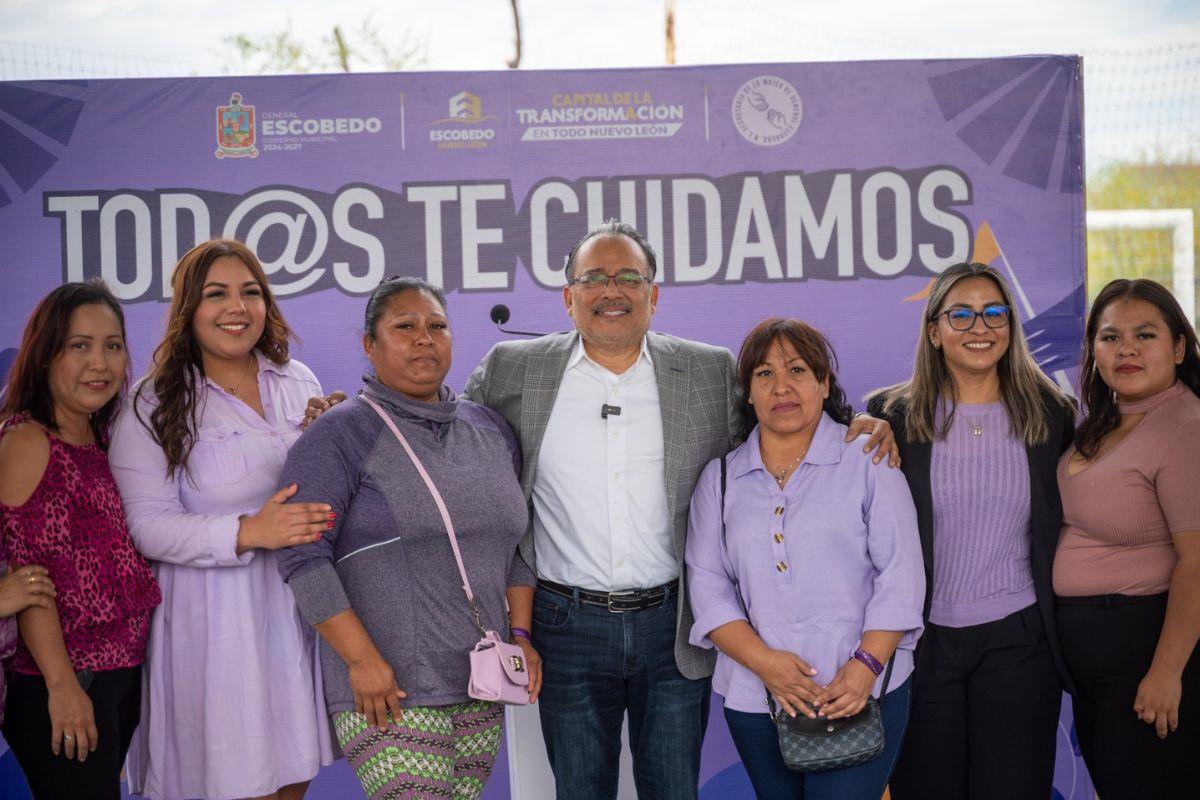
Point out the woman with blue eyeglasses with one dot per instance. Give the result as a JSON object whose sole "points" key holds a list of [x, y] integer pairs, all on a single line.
{"points": [[980, 430]]}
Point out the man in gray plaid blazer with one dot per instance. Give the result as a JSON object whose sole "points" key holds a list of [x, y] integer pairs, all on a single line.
{"points": [[615, 423]]}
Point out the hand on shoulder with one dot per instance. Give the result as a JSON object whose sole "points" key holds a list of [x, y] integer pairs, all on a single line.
{"points": [[319, 405], [24, 454], [881, 440]]}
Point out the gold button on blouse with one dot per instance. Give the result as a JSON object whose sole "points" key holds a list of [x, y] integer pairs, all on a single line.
{"points": [[778, 537], [781, 566]]}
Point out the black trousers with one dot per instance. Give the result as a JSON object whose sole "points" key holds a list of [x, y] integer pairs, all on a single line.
{"points": [[984, 714], [116, 703], [1109, 642]]}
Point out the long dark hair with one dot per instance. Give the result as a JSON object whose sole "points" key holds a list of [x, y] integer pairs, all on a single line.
{"points": [[1103, 415], [810, 344], [177, 361], [43, 340]]}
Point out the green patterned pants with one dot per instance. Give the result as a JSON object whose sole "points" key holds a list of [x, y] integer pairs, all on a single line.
{"points": [[435, 751]]}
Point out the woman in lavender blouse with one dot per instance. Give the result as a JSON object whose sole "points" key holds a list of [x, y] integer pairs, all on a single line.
{"points": [[234, 704], [822, 546], [980, 430]]}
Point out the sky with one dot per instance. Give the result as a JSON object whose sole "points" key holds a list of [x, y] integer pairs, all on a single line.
{"points": [[185, 36]]}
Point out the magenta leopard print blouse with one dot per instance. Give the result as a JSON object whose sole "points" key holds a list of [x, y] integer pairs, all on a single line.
{"points": [[74, 526]]}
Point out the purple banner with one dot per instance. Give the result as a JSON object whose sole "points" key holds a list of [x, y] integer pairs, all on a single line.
{"points": [[834, 192]]}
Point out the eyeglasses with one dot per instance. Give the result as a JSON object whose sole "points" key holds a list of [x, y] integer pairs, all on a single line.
{"points": [[628, 280], [963, 319]]}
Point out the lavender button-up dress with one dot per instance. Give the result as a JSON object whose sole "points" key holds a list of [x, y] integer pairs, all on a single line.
{"points": [[832, 554], [232, 700]]}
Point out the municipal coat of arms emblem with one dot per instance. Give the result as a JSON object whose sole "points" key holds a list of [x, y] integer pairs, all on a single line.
{"points": [[235, 129]]}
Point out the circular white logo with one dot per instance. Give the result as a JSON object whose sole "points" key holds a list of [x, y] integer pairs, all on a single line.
{"points": [[767, 110]]}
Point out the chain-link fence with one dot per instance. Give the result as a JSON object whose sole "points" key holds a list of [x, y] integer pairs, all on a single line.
{"points": [[1142, 117], [22, 61]]}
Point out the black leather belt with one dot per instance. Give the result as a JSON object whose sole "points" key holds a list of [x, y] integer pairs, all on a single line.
{"points": [[616, 602]]}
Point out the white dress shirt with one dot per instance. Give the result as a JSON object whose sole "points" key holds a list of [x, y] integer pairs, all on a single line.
{"points": [[600, 517]]}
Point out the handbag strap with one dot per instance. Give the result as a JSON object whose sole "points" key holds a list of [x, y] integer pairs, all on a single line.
{"points": [[437, 499], [737, 586]]}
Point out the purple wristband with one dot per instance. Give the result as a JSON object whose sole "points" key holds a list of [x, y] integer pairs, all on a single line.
{"points": [[871, 662], [519, 633]]}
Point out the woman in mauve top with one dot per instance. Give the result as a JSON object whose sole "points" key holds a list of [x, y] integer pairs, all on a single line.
{"points": [[234, 706], [1128, 566], [980, 429], [820, 545], [382, 587], [75, 678]]}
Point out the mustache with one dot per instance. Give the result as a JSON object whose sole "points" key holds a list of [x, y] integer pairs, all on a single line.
{"points": [[611, 305]]}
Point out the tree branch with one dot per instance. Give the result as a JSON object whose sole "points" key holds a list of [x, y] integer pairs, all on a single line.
{"points": [[515, 61]]}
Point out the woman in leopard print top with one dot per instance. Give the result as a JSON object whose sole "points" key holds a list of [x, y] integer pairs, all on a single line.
{"points": [[76, 676]]}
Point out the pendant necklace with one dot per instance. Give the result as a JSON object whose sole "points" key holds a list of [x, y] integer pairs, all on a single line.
{"points": [[233, 390], [781, 475]]}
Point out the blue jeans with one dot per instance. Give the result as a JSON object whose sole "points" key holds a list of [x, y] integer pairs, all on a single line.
{"points": [[758, 744], [596, 666]]}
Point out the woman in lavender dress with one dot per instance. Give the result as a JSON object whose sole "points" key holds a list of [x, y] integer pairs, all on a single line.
{"points": [[980, 431], [234, 707]]}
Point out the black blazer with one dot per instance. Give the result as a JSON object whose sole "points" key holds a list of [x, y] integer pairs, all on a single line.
{"points": [[1045, 507]]}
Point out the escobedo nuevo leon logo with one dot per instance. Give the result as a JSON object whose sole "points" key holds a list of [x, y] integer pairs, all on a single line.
{"points": [[464, 127]]}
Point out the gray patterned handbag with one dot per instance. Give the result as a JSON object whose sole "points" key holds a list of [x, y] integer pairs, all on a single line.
{"points": [[816, 745]]}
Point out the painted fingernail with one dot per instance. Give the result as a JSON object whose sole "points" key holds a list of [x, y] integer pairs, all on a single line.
{"points": [[332, 515], [328, 527]]}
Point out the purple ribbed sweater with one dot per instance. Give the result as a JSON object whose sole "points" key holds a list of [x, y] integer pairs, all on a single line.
{"points": [[980, 520]]}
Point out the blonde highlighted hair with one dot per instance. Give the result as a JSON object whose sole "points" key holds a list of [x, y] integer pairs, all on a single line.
{"points": [[1022, 382]]}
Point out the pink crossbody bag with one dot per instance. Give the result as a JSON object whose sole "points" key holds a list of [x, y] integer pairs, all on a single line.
{"points": [[498, 672]]}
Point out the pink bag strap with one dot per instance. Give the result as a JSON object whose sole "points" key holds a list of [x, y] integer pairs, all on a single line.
{"points": [[441, 505]]}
